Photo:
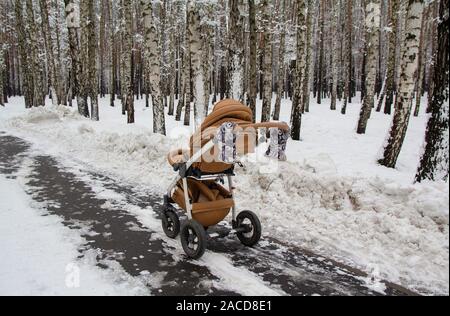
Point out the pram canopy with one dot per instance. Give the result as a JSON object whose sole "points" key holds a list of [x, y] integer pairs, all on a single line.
{"points": [[224, 111]]}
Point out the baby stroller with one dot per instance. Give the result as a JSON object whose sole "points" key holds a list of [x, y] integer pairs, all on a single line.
{"points": [[199, 188]]}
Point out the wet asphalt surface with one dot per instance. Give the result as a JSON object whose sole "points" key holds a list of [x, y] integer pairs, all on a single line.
{"points": [[118, 236]]}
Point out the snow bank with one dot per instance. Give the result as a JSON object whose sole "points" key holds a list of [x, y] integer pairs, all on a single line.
{"points": [[383, 226]]}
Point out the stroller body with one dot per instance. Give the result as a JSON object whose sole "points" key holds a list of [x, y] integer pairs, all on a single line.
{"points": [[199, 188]]}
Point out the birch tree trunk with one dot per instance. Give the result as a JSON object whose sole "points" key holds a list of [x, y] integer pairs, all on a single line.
{"points": [[73, 27], [127, 57], [348, 56], [102, 48], [253, 78], [49, 48], [372, 24], [392, 65], [281, 58], [112, 39], [321, 52], [187, 84], [188, 74], [267, 61], [433, 42], [306, 85], [92, 73], [334, 58], [61, 78], [172, 74], [235, 82], [2, 69], [36, 70], [299, 71], [403, 102], [153, 67], [25, 59], [421, 67], [89, 66], [435, 159], [196, 48]]}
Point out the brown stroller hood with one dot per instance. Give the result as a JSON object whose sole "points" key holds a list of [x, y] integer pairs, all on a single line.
{"points": [[224, 111]]}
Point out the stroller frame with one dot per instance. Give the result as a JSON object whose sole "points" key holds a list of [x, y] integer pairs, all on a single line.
{"points": [[183, 174], [196, 188]]}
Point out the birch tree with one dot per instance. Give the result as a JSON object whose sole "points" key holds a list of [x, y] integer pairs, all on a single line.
{"points": [[281, 59], [89, 82], [372, 24], [421, 66], [299, 71], [435, 159], [253, 81], [334, 53], [403, 102], [320, 69], [153, 67], [2, 65], [60, 52], [112, 39], [35, 64], [307, 77], [267, 61], [2, 68], [127, 59], [197, 53], [28, 84], [49, 48], [73, 22], [392, 57], [348, 56], [235, 83], [172, 56]]}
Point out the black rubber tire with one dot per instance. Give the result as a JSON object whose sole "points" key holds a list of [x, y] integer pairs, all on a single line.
{"points": [[193, 239], [252, 237], [170, 223]]}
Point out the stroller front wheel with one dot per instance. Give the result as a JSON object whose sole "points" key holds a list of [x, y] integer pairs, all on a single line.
{"points": [[170, 223], [193, 239], [252, 228]]}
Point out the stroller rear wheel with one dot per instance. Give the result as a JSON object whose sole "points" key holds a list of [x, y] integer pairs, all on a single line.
{"points": [[170, 223], [252, 228], [193, 239]]}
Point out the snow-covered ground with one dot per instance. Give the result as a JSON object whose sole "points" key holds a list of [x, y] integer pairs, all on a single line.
{"points": [[330, 196], [39, 254]]}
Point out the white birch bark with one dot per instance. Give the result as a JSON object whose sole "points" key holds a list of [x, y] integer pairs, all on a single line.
{"points": [[235, 84], [153, 67], [196, 50], [403, 102], [372, 24], [296, 118], [267, 61]]}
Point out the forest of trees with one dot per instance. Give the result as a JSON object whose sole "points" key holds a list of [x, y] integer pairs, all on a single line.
{"points": [[176, 54]]}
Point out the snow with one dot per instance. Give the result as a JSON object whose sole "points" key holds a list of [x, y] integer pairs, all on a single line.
{"points": [[330, 196], [39, 255]]}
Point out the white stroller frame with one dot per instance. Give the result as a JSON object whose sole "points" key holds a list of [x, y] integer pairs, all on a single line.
{"points": [[182, 169]]}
